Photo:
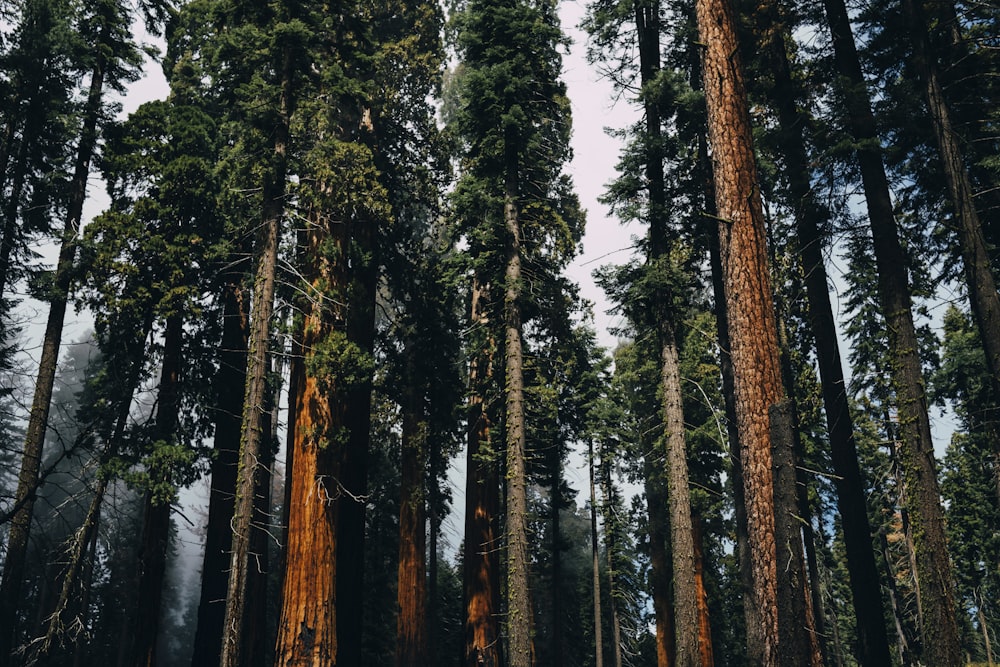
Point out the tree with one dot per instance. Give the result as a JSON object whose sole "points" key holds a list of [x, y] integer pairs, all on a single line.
{"points": [[922, 497], [752, 325], [514, 120]]}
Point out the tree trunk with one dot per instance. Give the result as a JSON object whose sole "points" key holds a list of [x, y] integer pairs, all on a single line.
{"points": [[362, 267], [659, 563], [797, 638], [751, 614], [752, 325], [555, 508], [230, 387], [941, 645], [17, 540], [255, 392], [411, 591], [873, 642], [704, 622], [982, 286], [595, 552], [685, 621], [481, 561], [518, 605], [610, 548], [155, 539], [307, 629]]}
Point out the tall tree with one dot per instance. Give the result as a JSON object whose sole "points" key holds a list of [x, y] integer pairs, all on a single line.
{"points": [[922, 497], [113, 61], [514, 120], [752, 326]]}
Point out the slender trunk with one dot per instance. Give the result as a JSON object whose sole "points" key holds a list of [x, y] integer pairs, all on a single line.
{"points": [[155, 539], [17, 540], [685, 622], [752, 325], [411, 592], [704, 622], [230, 387], [985, 630], [982, 286], [86, 582], [940, 643], [555, 507], [796, 633], [518, 604], [659, 562], [611, 548], [595, 552], [903, 642], [255, 392], [481, 561], [81, 541]]}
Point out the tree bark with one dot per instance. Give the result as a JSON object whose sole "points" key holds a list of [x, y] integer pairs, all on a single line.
{"points": [[518, 604], [481, 570], [797, 638], [704, 621], [411, 591], [20, 527], [752, 325], [307, 629], [940, 629]]}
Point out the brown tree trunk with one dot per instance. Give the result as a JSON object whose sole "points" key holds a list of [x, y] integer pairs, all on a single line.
{"points": [[752, 325], [518, 605], [940, 629], [481, 570], [230, 384], [255, 392], [873, 642], [707, 654], [659, 563], [307, 629], [20, 527], [686, 625], [610, 548], [411, 591], [595, 552]]}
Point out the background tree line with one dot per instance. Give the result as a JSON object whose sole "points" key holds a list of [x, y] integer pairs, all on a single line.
{"points": [[334, 265]]}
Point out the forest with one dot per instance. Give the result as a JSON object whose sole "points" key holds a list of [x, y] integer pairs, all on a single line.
{"points": [[339, 402]]}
